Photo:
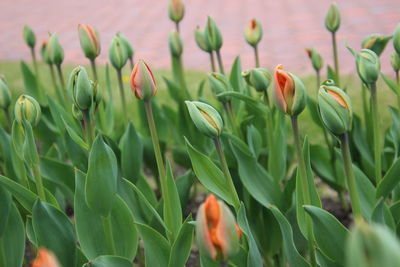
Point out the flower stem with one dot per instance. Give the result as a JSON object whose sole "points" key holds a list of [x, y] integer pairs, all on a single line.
{"points": [[88, 129], [221, 65], [93, 65], [131, 62], [106, 220], [257, 58], [335, 58], [225, 170], [156, 146], [375, 123], [38, 181], [212, 60], [231, 118], [35, 66], [63, 89], [122, 94], [318, 75], [177, 27], [306, 192]]}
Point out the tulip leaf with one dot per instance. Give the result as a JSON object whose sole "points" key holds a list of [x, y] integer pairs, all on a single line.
{"points": [[289, 249], [366, 192], [6, 201], [209, 174], [235, 76], [7, 151], [278, 150], [31, 83], [107, 261], [156, 247], [391, 84], [58, 172], [55, 232], [180, 249], [12, 240], [75, 136], [381, 214], [101, 181], [131, 154], [18, 139], [172, 205], [25, 197], [330, 234], [389, 181], [255, 105]]}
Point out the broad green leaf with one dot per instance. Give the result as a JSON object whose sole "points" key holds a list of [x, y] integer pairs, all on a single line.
{"points": [[235, 76], [30, 233], [289, 249], [12, 242], [75, 136], [31, 155], [55, 232], [131, 154], [101, 180], [256, 106], [31, 83], [254, 140], [381, 214], [57, 172], [156, 247], [25, 197], [391, 84], [182, 245], [6, 201], [18, 139], [366, 192], [184, 184], [278, 149], [329, 233], [172, 206], [389, 181], [6, 150], [109, 261]]}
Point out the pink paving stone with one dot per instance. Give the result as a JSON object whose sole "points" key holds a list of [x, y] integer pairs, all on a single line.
{"points": [[290, 26]]}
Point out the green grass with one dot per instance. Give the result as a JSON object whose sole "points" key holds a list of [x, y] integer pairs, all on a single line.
{"points": [[12, 72]]}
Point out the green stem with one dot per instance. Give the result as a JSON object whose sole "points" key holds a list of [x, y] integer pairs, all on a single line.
{"points": [[231, 118], [106, 220], [342, 201], [335, 58], [318, 76], [179, 75], [131, 62], [122, 94], [156, 146], [257, 58], [212, 60], [306, 192], [177, 27], [398, 84], [38, 182], [8, 117], [63, 89], [54, 82], [375, 123], [221, 65], [34, 61], [88, 129], [93, 65], [225, 170], [351, 181]]}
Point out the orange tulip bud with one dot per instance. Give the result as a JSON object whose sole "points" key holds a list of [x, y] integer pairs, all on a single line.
{"points": [[45, 258], [89, 40], [217, 232], [143, 83]]}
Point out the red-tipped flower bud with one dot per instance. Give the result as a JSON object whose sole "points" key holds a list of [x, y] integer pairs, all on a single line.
{"points": [[143, 83], [45, 258], [90, 41], [253, 32], [176, 10]]}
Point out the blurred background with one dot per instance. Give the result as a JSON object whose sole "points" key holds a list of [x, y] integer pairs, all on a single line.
{"points": [[289, 26]]}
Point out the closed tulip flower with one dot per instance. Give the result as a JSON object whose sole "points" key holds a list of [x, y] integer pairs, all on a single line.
{"points": [[206, 118], [376, 43], [89, 40], [368, 66], [27, 108], [45, 258], [29, 36], [175, 44], [316, 59], [55, 50], [143, 83], [117, 53], [129, 49], [81, 88], [44, 53], [395, 61], [199, 36], [258, 78], [396, 39], [219, 83], [5, 95], [216, 231], [332, 18], [253, 32], [290, 93], [335, 108], [176, 10], [213, 35]]}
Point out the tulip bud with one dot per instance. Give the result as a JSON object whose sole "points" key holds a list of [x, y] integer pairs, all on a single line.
{"points": [[77, 113], [213, 35], [5, 95], [200, 38], [206, 118], [332, 18], [29, 36], [80, 88], [176, 10], [27, 108], [216, 232], [44, 53], [316, 59], [335, 108], [55, 50], [127, 44], [117, 53], [259, 78], [45, 258], [290, 93], [175, 44], [376, 43], [395, 61], [253, 32], [396, 39], [368, 66], [219, 83], [90, 41], [143, 83]]}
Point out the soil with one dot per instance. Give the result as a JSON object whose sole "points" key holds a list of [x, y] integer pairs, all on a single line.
{"points": [[334, 207]]}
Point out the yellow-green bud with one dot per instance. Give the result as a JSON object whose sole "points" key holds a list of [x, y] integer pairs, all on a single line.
{"points": [[5, 95], [81, 88], [200, 38], [376, 43], [332, 19], [316, 59], [29, 36], [335, 108], [176, 10], [27, 108], [253, 32], [258, 78], [55, 50], [206, 118], [368, 66], [396, 39], [395, 61], [117, 53], [175, 44], [213, 35]]}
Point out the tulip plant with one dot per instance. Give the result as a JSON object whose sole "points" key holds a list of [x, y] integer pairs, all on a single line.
{"points": [[219, 173]]}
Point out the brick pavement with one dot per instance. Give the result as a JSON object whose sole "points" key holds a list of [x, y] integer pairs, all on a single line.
{"points": [[289, 27]]}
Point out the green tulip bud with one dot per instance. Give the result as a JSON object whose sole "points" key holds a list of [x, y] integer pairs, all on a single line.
{"points": [[395, 61], [29, 36], [80, 88], [142, 81], [335, 108], [253, 32], [213, 35], [55, 50], [368, 66], [89, 40], [332, 18], [200, 38], [206, 118], [45, 53], [290, 92], [5, 95], [316, 59], [376, 43], [128, 46], [396, 39], [219, 83], [258, 78], [175, 44], [117, 53], [77, 113], [27, 108], [176, 10]]}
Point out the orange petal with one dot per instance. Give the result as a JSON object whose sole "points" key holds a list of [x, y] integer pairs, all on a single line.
{"points": [[338, 98], [45, 258], [212, 210]]}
